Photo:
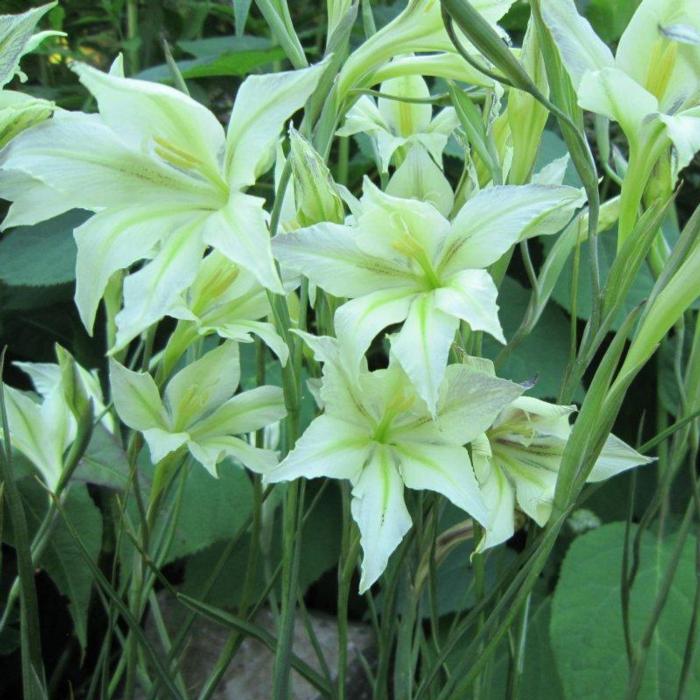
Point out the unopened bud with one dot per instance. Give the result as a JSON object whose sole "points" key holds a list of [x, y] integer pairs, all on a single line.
{"points": [[316, 194]]}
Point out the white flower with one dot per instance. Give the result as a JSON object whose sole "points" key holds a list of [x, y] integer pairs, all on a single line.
{"points": [[378, 433]]}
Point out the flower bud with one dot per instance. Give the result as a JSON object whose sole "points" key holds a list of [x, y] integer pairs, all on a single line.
{"points": [[316, 194]]}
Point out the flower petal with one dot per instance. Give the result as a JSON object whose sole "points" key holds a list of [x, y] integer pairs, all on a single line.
{"points": [[113, 240], [149, 292], [422, 346], [357, 322], [684, 130], [405, 118], [419, 178], [498, 217], [471, 297], [445, 470], [241, 331], [203, 385], [615, 95], [161, 442], [329, 447], [380, 512], [239, 231], [328, 255], [263, 104], [497, 493], [617, 456], [470, 402], [648, 55], [244, 413], [211, 451], [79, 156], [581, 48], [397, 228], [136, 398], [141, 111]]}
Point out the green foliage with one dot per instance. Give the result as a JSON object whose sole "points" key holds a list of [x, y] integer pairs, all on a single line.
{"points": [[211, 509], [542, 356], [61, 558], [586, 627], [41, 255]]}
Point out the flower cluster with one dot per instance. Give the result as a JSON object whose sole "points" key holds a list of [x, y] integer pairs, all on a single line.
{"points": [[177, 232]]}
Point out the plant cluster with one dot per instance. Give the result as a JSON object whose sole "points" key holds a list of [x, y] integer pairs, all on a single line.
{"points": [[271, 320]]}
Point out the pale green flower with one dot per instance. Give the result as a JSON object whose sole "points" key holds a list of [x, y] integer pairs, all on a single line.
{"points": [[518, 458], [654, 77], [199, 409], [17, 38], [403, 261], [164, 179], [316, 195], [48, 377], [226, 300], [17, 110], [42, 428], [417, 29], [392, 124], [378, 433]]}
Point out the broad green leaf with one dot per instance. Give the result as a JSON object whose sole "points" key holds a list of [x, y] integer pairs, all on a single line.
{"points": [[609, 19], [41, 255], [104, 461], [543, 354], [212, 509], [213, 65], [586, 628]]}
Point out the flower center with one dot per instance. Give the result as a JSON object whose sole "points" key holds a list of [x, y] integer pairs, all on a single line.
{"points": [[183, 160], [409, 247]]}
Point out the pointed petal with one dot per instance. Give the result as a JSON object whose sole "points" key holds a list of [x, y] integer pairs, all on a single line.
{"points": [[203, 385], [471, 297], [497, 493], [113, 240], [684, 130], [405, 118], [239, 231], [581, 49], [419, 178], [380, 512], [136, 398], [422, 346], [357, 322], [79, 156], [41, 432], [149, 292], [32, 200], [617, 456], [141, 111], [329, 447], [263, 104], [16, 38], [394, 227], [241, 331], [651, 57], [471, 402], [498, 217], [211, 451], [445, 470], [615, 95], [244, 413], [328, 255], [161, 442], [534, 477]]}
